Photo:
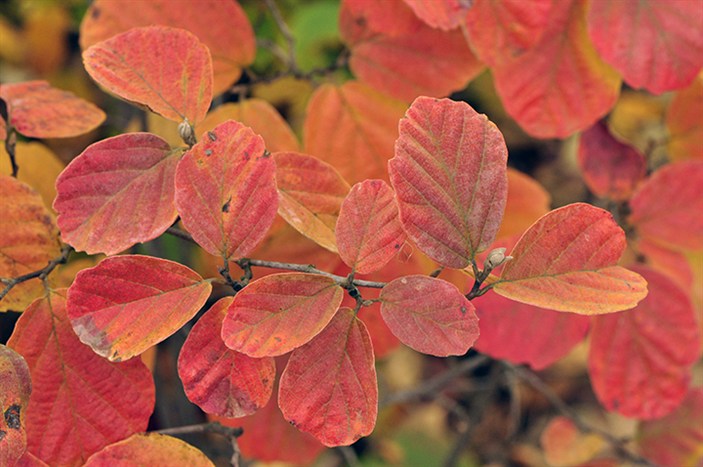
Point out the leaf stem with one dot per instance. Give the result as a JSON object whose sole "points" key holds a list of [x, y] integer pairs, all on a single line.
{"points": [[40, 273]]}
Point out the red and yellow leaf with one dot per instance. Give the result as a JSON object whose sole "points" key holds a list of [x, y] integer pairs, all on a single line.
{"points": [[527, 201], [310, 195], [116, 193], [170, 71], [684, 119], [147, 300], [353, 128], [654, 45], [640, 360], [368, 231], [231, 42], [611, 169], [28, 242], [340, 401], [566, 446], [567, 262], [449, 174], [393, 51], [429, 315], [226, 190], [278, 313], [445, 15], [560, 85], [149, 449], [92, 402], [39, 168], [219, 380], [666, 208], [39, 110], [15, 389]]}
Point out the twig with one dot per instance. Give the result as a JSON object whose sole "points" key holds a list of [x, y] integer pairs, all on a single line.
{"points": [[231, 433], [41, 273], [349, 456], [287, 34]]}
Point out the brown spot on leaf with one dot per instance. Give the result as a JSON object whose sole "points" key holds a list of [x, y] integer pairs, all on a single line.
{"points": [[12, 417], [212, 136], [225, 207], [2, 434], [463, 310], [208, 152]]}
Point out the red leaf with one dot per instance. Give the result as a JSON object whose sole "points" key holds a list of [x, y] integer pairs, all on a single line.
{"points": [[445, 15], [368, 231], [449, 174], [684, 119], [611, 169], [655, 45], [217, 379], [166, 69], [278, 313], [666, 208], [38, 110], [147, 300], [149, 449], [226, 190], [677, 438], [340, 400], [560, 85], [91, 402], [395, 52], [231, 42], [116, 193], [310, 194], [566, 262], [353, 128], [527, 334], [660, 337], [15, 388], [429, 315]]}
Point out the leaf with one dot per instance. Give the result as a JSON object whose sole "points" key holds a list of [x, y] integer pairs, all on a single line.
{"points": [[231, 42], [396, 53], [39, 168], [147, 300], [38, 110], [675, 439], [28, 242], [310, 194], [226, 190], [368, 230], [611, 169], [660, 337], [654, 45], [340, 402], [217, 379], [278, 313], [429, 315], [665, 208], [170, 72], [116, 193], [444, 15], [684, 119], [567, 262], [15, 388], [92, 402], [527, 201], [449, 174], [149, 449], [353, 128], [560, 85], [566, 446]]}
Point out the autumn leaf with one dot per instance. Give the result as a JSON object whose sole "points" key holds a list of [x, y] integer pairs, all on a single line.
{"points": [[15, 389], [527, 201], [149, 449], [565, 446], [684, 119], [445, 15], [39, 168], [148, 300]]}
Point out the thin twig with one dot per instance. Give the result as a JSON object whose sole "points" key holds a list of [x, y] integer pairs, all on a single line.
{"points": [[291, 61], [41, 273], [349, 456], [209, 427], [10, 146]]}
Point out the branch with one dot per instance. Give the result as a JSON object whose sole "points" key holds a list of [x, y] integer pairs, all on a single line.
{"points": [[286, 32], [231, 433], [41, 273]]}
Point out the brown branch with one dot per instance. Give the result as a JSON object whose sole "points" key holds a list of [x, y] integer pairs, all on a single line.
{"points": [[231, 433], [41, 273]]}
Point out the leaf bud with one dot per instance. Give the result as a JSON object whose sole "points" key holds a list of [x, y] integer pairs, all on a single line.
{"points": [[495, 258], [186, 132]]}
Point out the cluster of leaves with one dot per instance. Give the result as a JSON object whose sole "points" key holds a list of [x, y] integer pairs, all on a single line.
{"points": [[310, 334]]}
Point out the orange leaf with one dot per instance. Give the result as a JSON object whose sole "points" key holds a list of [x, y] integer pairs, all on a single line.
{"points": [[449, 174], [231, 42], [38, 110], [393, 51], [655, 45], [220, 380], [116, 193], [368, 230], [566, 262], [565, 446], [560, 85], [278, 313], [527, 201], [310, 194], [429, 315], [92, 402], [28, 242], [15, 388], [148, 300], [149, 449], [39, 168], [226, 191], [353, 128], [339, 402], [445, 15], [165, 69], [666, 208], [684, 119]]}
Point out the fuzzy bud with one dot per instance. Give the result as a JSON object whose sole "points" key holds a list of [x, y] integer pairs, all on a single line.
{"points": [[186, 132], [496, 258]]}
